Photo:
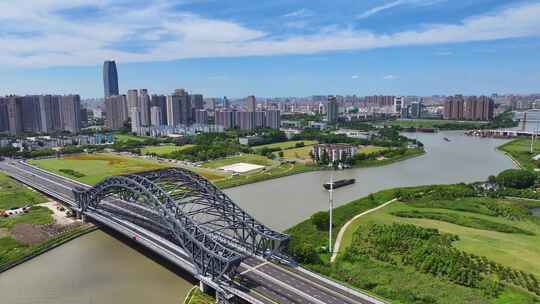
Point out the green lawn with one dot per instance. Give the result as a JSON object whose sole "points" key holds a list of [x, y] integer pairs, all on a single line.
{"points": [[14, 195], [96, 167], [516, 250], [195, 296], [164, 149], [287, 144], [259, 175], [244, 158], [302, 153], [393, 281], [370, 150], [520, 150], [126, 137]]}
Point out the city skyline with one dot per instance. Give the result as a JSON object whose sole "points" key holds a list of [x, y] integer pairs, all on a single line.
{"points": [[403, 47]]}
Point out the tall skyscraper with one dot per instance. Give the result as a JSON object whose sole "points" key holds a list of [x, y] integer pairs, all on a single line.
{"points": [[117, 112], [226, 102], [251, 103], [110, 78], [332, 110]]}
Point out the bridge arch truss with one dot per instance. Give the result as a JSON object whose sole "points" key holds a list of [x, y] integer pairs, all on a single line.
{"points": [[188, 210]]}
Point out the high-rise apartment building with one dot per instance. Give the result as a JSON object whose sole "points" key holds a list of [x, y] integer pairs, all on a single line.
{"points": [[161, 102], [251, 103], [273, 119], [70, 113], [201, 117], [245, 120], [31, 114], [135, 120], [144, 107], [399, 103], [156, 118], [117, 112], [471, 108], [260, 118], [225, 118], [4, 125], [332, 110], [178, 108], [110, 78], [132, 101]]}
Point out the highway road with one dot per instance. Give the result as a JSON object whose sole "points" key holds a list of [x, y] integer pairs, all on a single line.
{"points": [[258, 280]]}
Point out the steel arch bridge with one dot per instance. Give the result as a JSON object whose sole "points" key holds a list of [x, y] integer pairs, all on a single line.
{"points": [[189, 211]]}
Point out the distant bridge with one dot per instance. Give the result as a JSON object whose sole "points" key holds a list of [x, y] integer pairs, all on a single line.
{"points": [[190, 222]]}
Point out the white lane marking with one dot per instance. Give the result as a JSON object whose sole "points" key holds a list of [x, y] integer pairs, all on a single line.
{"points": [[253, 268]]}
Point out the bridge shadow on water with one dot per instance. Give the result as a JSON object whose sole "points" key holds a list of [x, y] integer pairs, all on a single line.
{"points": [[149, 254]]}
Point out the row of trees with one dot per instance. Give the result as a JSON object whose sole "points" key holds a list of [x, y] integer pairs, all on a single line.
{"points": [[431, 252]]}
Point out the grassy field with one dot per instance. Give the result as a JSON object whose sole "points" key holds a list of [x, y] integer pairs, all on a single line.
{"points": [[429, 123], [14, 195], [370, 150], [164, 149], [258, 176], [287, 144], [195, 296], [516, 250], [244, 158], [520, 150], [96, 167], [297, 154], [126, 137], [393, 282]]}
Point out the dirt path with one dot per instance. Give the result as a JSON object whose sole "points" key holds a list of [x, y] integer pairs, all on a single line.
{"points": [[60, 217], [344, 228]]}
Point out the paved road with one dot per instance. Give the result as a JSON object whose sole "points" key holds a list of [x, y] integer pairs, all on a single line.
{"points": [[258, 279]]}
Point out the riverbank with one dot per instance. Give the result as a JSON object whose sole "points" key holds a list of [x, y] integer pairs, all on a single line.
{"points": [[477, 222], [90, 169], [195, 296], [519, 150], [46, 246]]}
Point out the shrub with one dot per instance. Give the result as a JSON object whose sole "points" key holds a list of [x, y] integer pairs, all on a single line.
{"points": [[519, 179]]}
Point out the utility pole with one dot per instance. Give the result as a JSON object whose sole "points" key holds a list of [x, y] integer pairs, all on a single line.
{"points": [[331, 201], [533, 137]]}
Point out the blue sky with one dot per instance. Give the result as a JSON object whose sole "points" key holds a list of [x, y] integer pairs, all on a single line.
{"points": [[272, 48]]}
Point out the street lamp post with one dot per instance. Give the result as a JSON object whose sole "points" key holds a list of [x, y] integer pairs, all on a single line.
{"points": [[331, 202]]}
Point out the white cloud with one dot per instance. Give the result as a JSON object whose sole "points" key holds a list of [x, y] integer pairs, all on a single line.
{"points": [[161, 33], [389, 5], [390, 77], [355, 76], [303, 12]]}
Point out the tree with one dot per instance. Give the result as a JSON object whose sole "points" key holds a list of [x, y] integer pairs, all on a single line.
{"points": [[281, 154], [492, 179], [321, 220], [514, 178]]}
